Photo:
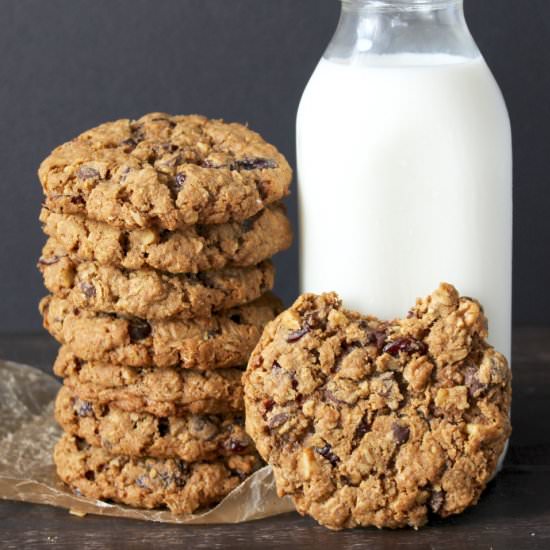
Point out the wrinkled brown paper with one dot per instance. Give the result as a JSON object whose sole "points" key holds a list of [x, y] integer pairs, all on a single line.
{"points": [[28, 433]]}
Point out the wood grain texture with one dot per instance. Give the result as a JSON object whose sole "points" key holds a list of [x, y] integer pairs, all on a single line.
{"points": [[513, 513]]}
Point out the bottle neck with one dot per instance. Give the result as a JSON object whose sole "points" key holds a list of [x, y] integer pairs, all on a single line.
{"points": [[385, 27]]}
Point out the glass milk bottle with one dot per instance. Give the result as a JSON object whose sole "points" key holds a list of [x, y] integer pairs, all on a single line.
{"points": [[405, 164]]}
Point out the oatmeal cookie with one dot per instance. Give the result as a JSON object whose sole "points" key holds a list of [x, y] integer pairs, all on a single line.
{"points": [[149, 293], [162, 392], [378, 423], [165, 171], [191, 437], [188, 250], [223, 340], [149, 482]]}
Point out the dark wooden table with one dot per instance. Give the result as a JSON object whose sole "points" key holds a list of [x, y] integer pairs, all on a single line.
{"points": [[513, 513]]}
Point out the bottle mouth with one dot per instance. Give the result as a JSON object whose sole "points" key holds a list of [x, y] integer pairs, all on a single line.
{"points": [[408, 5]]}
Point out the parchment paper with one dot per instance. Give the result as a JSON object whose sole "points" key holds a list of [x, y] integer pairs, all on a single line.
{"points": [[28, 433]]}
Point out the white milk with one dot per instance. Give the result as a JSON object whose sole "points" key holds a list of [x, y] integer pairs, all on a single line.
{"points": [[405, 180]]}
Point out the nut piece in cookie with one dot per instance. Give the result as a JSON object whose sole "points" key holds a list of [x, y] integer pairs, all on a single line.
{"points": [[367, 422]]}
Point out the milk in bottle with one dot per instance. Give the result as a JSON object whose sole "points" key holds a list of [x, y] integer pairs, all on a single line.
{"points": [[405, 164]]}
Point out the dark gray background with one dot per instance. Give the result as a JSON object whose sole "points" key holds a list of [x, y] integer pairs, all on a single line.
{"points": [[68, 65]]}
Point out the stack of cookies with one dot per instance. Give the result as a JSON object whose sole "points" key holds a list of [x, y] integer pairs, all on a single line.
{"points": [[160, 233]]}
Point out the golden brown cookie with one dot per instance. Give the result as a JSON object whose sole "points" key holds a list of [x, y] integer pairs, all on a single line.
{"points": [[379, 423], [148, 482], [190, 437], [189, 250], [162, 392], [223, 340], [149, 293], [165, 171]]}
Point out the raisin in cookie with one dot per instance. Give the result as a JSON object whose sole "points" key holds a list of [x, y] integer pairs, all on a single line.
{"points": [[165, 171], [379, 423], [223, 340], [149, 482], [188, 250], [162, 392], [149, 293], [191, 437]]}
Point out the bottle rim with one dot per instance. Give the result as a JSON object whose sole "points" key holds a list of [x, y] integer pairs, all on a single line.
{"points": [[402, 4]]}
